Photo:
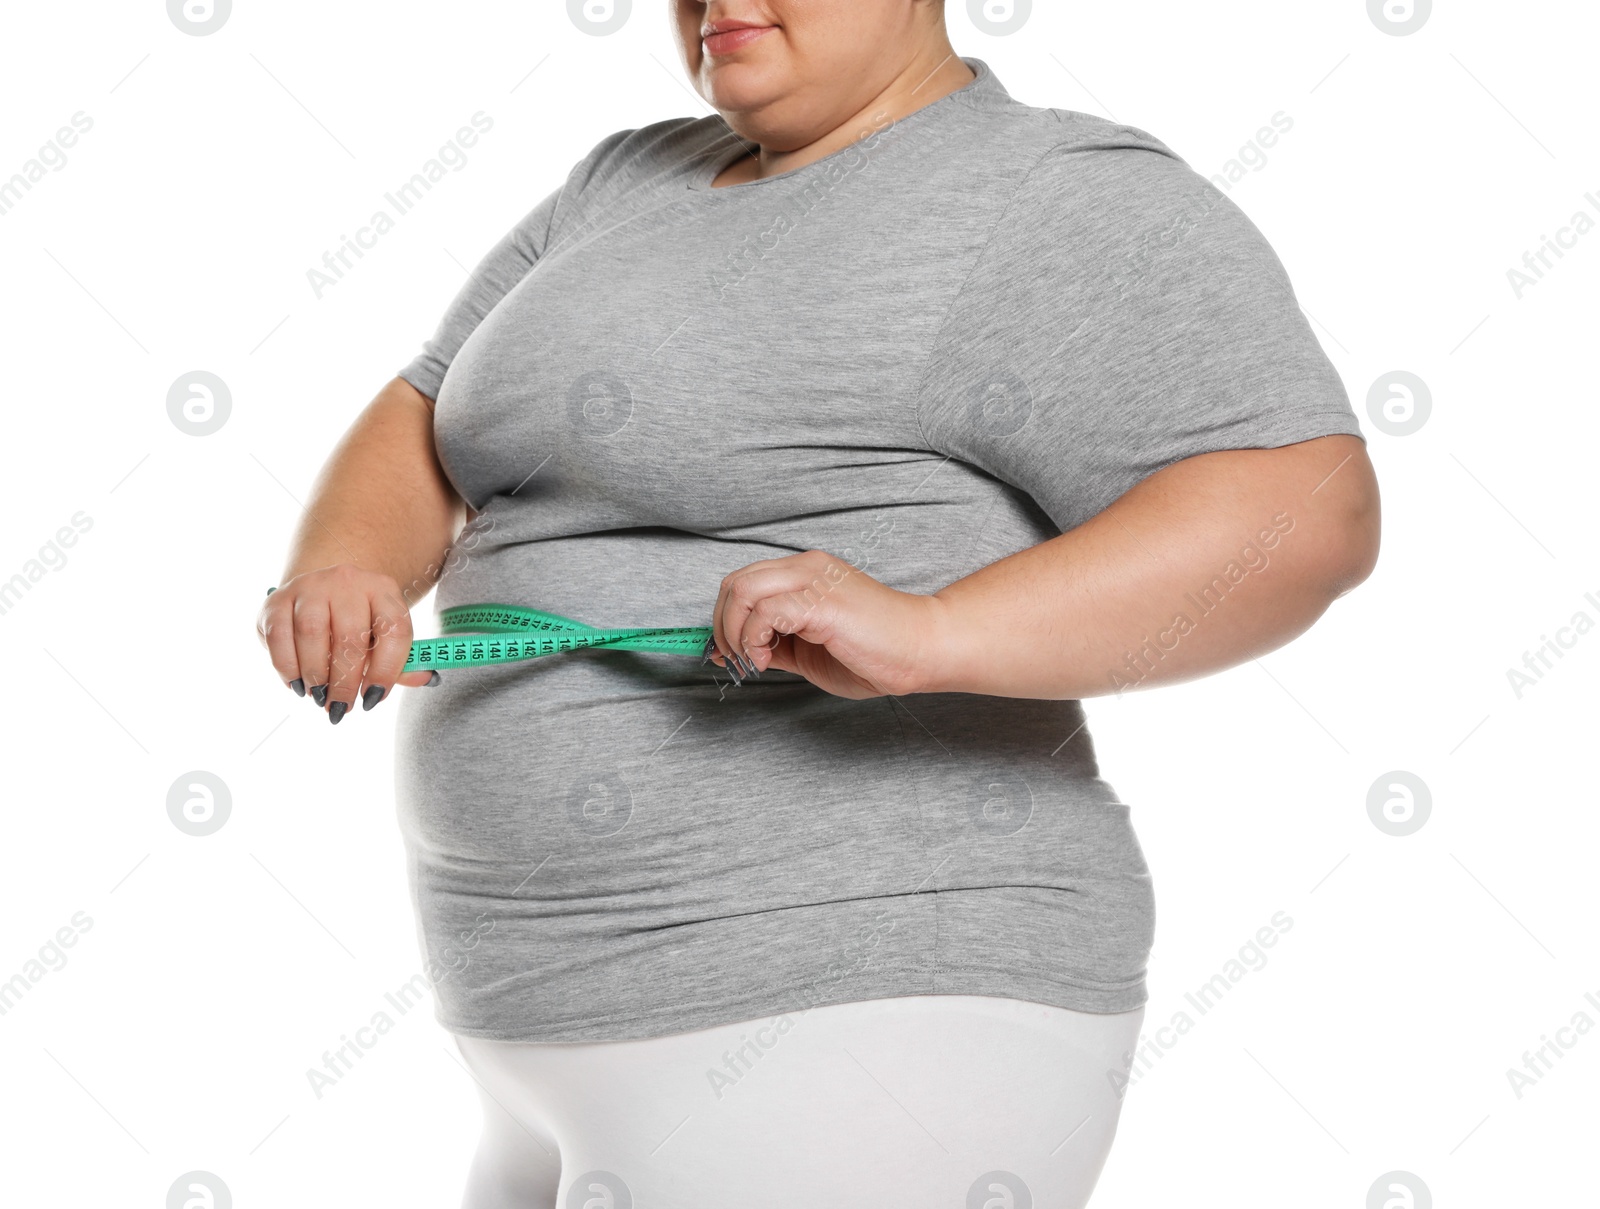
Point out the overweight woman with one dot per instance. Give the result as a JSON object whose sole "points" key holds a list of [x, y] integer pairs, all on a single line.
{"points": [[945, 412]]}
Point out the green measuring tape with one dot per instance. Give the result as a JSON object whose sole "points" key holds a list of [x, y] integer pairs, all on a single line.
{"points": [[499, 633]]}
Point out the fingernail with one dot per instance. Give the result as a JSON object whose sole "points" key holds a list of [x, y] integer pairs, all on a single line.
{"points": [[372, 696], [432, 680], [319, 694], [336, 711], [299, 686]]}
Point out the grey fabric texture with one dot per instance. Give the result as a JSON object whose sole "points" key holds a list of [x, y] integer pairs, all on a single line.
{"points": [[963, 335]]}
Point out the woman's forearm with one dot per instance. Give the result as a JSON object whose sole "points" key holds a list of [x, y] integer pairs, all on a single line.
{"points": [[1209, 562], [381, 501]]}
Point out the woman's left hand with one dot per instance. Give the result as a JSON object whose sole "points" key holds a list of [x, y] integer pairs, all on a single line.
{"points": [[817, 616]]}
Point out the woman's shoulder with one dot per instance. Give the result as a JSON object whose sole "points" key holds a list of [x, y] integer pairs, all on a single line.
{"points": [[645, 153], [1032, 136], [1062, 159]]}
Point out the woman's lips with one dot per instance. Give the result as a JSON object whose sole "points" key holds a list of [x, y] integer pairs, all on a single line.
{"points": [[734, 39]]}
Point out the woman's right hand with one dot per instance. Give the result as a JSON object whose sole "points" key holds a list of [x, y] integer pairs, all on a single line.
{"points": [[338, 631]]}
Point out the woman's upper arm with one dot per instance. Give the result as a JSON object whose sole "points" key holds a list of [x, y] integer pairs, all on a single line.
{"points": [[1126, 317], [1323, 491]]}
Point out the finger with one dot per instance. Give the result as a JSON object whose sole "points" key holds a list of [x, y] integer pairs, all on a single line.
{"points": [[729, 616], [310, 624], [764, 628], [275, 628], [352, 637], [784, 617], [797, 582], [391, 629], [721, 647], [719, 631]]}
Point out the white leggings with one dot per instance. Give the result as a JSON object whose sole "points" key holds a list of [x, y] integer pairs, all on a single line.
{"points": [[914, 1102]]}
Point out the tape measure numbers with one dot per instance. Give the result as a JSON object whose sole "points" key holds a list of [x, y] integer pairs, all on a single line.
{"points": [[499, 633]]}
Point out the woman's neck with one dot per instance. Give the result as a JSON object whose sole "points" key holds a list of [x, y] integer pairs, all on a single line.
{"points": [[924, 81]]}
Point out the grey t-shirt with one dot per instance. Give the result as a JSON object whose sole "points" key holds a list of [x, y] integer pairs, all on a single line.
{"points": [[949, 342]]}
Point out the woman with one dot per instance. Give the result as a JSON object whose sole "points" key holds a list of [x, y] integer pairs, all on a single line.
{"points": [[945, 412]]}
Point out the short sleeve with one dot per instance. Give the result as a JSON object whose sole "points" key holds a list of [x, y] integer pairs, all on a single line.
{"points": [[505, 264], [1125, 314]]}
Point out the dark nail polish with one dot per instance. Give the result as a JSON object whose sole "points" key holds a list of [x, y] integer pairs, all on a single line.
{"points": [[372, 696], [433, 679], [319, 694], [336, 711], [299, 686]]}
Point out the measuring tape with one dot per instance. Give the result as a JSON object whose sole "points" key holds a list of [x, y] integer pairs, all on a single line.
{"points": [[499, 633], [509, 633]]}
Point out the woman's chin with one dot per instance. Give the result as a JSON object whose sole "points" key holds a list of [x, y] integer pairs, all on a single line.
{"points": [[739, 88]]}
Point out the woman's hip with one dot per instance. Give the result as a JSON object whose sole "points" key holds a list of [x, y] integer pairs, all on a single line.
{"points": [[960, 1100]]}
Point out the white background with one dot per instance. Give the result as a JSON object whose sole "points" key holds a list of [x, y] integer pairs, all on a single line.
{"points": [[177, 237]]}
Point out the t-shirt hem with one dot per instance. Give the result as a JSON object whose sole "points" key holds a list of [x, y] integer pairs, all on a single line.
{"points": [[1303, 422], [1033, 985], [421, 379]]}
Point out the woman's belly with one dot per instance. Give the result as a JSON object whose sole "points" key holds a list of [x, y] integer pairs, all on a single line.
{"points": [[597, 830]]}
